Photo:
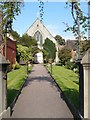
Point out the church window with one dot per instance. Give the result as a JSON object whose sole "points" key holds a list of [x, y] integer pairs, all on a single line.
{"points": [[38, 37]]}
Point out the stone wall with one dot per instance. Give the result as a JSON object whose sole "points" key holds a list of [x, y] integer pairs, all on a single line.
{"points": [[86, 67], [5, 113]]}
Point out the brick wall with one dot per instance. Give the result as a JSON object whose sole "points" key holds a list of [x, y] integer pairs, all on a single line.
{"points": [[10, 51]]}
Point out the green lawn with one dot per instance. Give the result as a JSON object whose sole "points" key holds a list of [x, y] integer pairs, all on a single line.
{"points": [[68, 82], [15, 80]]}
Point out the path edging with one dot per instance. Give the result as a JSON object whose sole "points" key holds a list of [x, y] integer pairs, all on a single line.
{"points": [[73, 110], [17, 95]]}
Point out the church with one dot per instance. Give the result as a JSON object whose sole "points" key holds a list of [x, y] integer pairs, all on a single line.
{"points": [[40, 33]]}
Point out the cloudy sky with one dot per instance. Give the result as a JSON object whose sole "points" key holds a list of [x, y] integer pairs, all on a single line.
{"points": [[55, 15]]}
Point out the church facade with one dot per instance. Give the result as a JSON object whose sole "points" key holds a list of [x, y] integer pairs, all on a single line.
{"points": [[40, 33]]}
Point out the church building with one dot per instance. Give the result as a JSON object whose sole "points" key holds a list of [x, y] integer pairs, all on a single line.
{"points": [[40, 33]]}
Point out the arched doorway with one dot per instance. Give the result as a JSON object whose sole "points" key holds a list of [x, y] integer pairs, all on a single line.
{"points": [[38, 57]]}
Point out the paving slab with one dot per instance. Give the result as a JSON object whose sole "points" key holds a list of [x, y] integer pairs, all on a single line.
{"points": [[40, 97]]}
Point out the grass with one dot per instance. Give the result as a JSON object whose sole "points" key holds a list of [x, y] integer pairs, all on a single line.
{"points": [[15, 80], [68, 82]]}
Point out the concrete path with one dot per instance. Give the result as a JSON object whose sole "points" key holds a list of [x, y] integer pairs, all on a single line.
{"points": [[40, 98]]}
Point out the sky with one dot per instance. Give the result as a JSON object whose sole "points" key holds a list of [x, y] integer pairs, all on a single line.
{"points": [[55, 15]]}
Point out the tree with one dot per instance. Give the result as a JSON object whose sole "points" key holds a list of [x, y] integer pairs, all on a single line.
{"points": [[9, 10], [50, 47], [60, 40], [27, 41], [23, 53], [80, 25], [45, 55], [15, 35], [64, 55], [28, 46], [85, 45]]}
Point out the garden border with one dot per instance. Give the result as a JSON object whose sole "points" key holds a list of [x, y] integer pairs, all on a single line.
{"points": [[73, 110], [17, 95]]}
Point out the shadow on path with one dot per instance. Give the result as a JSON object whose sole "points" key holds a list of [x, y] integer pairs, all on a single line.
{"points": [[40, 97]]}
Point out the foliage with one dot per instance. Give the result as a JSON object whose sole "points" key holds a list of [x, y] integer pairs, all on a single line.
{"points": [[41, 7], [50, 48], [10, 10], [79, 18], [26, 48], [71, 65], [85, 45], [27, 41], [23, 53], [15, 35], [16, 66], [45, 55], [64, 55], [60, 40]]}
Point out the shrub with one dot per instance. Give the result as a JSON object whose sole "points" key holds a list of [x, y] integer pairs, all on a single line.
{"points": [[58, 64], [49, 49], [76, 70], [71, 66], [13, 66], [64, 55], [16, 66]]}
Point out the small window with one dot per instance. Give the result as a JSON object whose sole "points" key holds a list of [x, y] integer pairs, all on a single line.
{"points": [[37, 25]]}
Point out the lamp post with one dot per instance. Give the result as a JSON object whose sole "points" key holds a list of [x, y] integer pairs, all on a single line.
{"points": [[50, 61]]}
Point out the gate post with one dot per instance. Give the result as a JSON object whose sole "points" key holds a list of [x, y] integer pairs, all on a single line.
{"points": [[81, 88], [86, 67], [3, 86]]}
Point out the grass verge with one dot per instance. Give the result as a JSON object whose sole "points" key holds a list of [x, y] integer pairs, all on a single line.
{"points": [[67, 80], [15, 80]]}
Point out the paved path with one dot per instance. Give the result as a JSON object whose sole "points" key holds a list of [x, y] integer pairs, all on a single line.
{"points": [[40, 98]]}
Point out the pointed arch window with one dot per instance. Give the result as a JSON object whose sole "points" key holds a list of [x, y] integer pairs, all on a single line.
{"points": [[38, 37]]}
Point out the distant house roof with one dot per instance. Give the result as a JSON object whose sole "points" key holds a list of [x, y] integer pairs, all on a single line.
{"points": [[71, 44], [60, 47]]}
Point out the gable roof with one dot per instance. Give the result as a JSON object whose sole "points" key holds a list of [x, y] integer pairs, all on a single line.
{"points": [[32, 24], [32, 29], [36, 21]]}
